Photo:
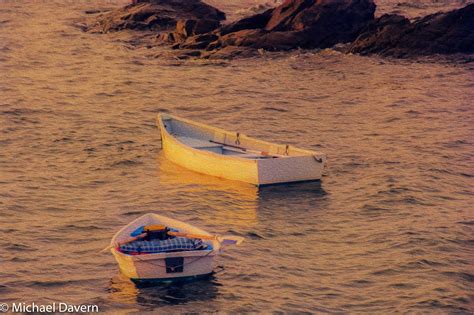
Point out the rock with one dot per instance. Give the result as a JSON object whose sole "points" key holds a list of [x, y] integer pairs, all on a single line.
{"points": [[440, 33], [194, 26], [188, 54], [166, 37], [280, 41], [260, 39], [322, 23], [247, 38], [296, 24], [283, 15], [196, 42], [162, 15], [187, 28], [96, 11], [255, 21]]}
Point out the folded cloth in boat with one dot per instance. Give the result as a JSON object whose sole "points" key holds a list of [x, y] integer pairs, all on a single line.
{"points": [[159, 246]]}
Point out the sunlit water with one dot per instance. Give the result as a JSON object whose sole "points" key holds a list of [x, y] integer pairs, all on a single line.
{"points": [[389, 228]]}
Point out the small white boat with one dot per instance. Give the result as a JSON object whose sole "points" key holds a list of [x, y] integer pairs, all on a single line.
{"points": [[164, 266], [234, 156]]}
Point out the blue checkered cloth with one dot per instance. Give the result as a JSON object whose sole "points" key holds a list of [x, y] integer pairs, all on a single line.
{"points": [[175, 244]]}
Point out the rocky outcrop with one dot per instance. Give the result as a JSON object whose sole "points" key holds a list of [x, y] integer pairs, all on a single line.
{"points": [[188, 28], [194, 28], [293, 24], [440, 33], [256, 21], [162, 15]]}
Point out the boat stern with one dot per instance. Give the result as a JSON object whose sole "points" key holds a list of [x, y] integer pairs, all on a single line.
{"points": [[291, 169]]}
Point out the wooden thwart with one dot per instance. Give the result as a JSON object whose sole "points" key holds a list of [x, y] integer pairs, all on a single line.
{"points": [[263, 153]]}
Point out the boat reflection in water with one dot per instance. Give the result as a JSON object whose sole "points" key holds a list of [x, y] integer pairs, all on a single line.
{"points": [[286, 203], [220, 202], [309, 189], [127, 293], [234, 203]]}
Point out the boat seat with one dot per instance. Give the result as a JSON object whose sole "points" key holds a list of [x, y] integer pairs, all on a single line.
{"points": [[197, 143], [242, 154]]}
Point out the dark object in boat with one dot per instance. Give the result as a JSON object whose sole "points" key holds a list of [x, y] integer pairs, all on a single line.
{"points": [[156, 232]]}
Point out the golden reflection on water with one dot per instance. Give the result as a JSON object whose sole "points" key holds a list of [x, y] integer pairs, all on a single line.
{"points": [[233, 203], [122, 290]]}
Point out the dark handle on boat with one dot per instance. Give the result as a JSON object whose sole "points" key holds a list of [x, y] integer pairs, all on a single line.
{"points": [[319, 160], [229, 145]]}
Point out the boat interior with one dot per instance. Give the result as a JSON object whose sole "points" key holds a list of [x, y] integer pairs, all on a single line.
{"points": [[155, 241], [218, 141]]}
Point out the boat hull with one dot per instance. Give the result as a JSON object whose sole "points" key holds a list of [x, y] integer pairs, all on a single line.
{"points": [[154, 267], [303, 165], [209, 163]]}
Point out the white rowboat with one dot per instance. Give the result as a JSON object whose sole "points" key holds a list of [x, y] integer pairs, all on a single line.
{"points": [[166, 266], [234, 156]]}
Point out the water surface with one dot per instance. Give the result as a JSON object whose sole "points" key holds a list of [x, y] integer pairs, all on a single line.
{"points": [[389, 228]]}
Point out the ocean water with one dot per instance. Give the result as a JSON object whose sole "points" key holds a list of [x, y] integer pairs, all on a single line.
{"points": [[388, 229]]}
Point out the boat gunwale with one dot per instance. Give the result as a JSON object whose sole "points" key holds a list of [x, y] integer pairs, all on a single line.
{"points": [[162, 116], [164, 255]]}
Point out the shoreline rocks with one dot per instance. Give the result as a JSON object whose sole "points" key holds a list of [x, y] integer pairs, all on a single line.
{"points": [[157, 15], [440, 33], [193, 29], [294, 24]]}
